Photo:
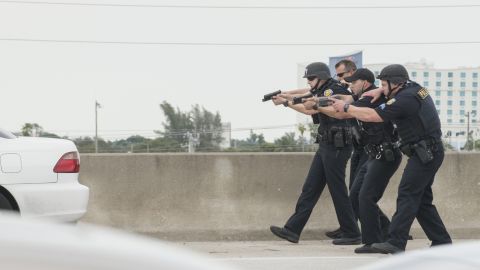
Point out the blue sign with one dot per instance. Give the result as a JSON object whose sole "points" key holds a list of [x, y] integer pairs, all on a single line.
{"points": [[356, 57]]}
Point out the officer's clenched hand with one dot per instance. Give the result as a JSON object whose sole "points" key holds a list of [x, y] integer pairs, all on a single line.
{"points": [[277, 100], [309, 103], [337, 104], [375, 94]]}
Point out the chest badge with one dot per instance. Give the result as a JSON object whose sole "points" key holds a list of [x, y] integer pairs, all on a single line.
{"points": [[328, 92], [391, 101]]}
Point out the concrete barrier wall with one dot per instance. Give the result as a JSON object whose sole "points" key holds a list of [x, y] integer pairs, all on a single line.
{"points": [[238, 196]]}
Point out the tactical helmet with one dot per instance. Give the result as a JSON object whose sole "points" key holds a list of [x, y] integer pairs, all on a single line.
{"points": [[319, 70], [394, 73]]}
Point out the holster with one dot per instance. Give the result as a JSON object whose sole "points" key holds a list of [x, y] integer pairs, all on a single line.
{"points": [[421, 149]]}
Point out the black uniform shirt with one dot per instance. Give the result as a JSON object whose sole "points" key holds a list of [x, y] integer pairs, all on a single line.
{"points": [[372, 128], [402, 106], [331, 87], [413, 120]]}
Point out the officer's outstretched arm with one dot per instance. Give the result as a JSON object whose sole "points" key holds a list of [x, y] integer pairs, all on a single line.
{"points": [[330, 111], [301, 109], [296, 91], [364, 114]]}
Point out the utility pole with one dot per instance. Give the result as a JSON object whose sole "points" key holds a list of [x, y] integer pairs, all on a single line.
{"points": [[97, 106], [468, 131]]}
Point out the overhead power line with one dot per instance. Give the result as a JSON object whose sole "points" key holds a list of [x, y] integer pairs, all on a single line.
{"points": [[113, 42], [92, 4]]}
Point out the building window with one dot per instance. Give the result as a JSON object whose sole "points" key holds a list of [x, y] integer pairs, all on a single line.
{"points": [[425, 74], [414, 74], [462, 93], [438, 84], [474, 112], [377, 73], [475, 84], [474, 103], [450, 84], [462, 120], [462, 84], [462, 112], [425, 84], [449, 93], [475, 75], [438, 74], [462, 102], [474, 120], [437, 102], [438, 111], [474, 93], [449, 112], [438, 93], [450, 74], [449, 121], [449, 102], [463, 75]]}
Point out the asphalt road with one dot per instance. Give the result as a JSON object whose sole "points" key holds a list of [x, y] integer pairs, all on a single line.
{"points": [[281, 255]]}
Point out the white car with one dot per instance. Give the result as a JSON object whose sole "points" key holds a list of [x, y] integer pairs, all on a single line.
{"points": [[31, 244], [39, 178]]}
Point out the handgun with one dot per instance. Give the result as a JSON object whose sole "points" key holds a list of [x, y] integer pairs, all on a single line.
{"points": [[268, 97]]}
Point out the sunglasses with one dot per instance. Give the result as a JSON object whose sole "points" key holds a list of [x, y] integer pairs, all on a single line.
{"points": [[341, 74], [311, 78]]}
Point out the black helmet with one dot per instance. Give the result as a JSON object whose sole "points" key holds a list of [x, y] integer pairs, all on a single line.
{"points": [[319, 70], [394, 73]]}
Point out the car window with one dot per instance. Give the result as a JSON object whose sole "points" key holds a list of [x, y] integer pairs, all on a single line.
{"points": [[6, 134]]}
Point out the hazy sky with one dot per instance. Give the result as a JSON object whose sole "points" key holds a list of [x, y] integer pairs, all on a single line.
{"points": [[56, 84]]}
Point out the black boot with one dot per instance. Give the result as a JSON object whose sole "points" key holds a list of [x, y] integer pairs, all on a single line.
{"points": [[285, 233], [386, 248], [365, 249], [347, 240], [334, 234]]}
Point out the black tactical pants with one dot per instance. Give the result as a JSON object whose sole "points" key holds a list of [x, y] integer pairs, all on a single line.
{"points": [[328, 168], [368, 189], [359, 157], [415, 201]]}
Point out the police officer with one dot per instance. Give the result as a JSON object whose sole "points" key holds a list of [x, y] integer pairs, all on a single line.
{"points": [[346, 68], [378, 140], [328, 165], [410, 107]]}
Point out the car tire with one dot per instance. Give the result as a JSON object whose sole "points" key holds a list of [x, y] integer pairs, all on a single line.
{"points": [[5, 203]]}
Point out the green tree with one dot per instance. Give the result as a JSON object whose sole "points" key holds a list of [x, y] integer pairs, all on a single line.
{"points": [[447, 146], [34, 129], [201, 123], [287, 143], [209, 128], [254, 143], [31, 129]]}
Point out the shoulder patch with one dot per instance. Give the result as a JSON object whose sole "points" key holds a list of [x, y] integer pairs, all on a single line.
{"points": [[422, 93], [328, 92], [391, 101]]}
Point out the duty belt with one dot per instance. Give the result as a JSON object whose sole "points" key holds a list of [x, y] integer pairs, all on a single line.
{"points": [[339, 136], [377, 151]]}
